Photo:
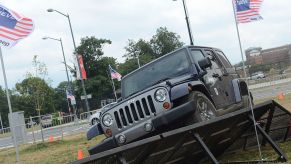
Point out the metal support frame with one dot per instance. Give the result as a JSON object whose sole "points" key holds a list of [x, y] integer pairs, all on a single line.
{"points": [[120, 159], [268, 124], [145, 153], [265, 137], [196, 131], [287, 132], [205, 148], [282, 156], [170, 154]]}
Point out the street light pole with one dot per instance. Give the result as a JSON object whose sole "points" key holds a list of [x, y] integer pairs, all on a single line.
{"points": [[64, 57], [187, 22], [69, 84], [82, 81], [137, 56]]}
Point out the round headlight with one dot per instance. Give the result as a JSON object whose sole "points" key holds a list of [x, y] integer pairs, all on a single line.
{"points": [[107, 120], [161, 95]]}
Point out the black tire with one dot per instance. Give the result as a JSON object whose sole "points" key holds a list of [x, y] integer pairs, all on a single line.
{"points": [[245, 100], [205, 110]]}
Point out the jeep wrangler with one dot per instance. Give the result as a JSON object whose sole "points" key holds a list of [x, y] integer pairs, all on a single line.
{"points": [[189, 85]]}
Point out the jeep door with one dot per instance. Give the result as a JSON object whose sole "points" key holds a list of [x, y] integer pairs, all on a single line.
{"points": [[229, 74], [212, 77], [221, 88]]}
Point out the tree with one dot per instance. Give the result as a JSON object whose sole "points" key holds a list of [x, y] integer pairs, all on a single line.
{"points": [[160, 44], [3, 107], [165, 41], [139, 48], [91, 49], [35, 95], [98, 80], [34, 90], [59, 97]]}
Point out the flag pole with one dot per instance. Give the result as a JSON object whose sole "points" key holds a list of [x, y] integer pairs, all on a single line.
{"points": [[9, 106], [114, 89], [245, 75], [113, 86]]}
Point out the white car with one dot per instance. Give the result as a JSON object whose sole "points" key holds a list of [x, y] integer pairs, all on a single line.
{"points": [[258, 75], [46, 120], [95, 118]]}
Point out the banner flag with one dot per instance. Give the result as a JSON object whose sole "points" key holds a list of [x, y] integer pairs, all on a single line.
{"points": [[83, 71], [114, 74], [247, 10], [13, 27], [70, 95]]}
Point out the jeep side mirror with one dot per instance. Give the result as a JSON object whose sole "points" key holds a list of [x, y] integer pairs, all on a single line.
{"points": [[205, 63]]}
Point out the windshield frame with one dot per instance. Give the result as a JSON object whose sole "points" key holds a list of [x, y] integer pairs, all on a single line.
{"points": [[190, 68]]}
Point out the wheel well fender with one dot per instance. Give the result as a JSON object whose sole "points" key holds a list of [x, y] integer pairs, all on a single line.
{"points": [[243, 88], [198, 86]]}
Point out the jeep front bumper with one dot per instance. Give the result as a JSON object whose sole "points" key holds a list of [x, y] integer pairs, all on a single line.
{"points": [[162, 120]]}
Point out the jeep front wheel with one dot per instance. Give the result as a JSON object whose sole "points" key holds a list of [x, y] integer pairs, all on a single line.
{"points": [[204, 109]]}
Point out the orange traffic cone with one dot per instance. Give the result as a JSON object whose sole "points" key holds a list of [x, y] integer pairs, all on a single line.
{"points": [[281, 96], [51, 138], [80, 154]]}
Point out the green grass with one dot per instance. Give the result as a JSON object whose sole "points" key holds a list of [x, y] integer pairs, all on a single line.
{"points": [[252, 154], [59, 151]]}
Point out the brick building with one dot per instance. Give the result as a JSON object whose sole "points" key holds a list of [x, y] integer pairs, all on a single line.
{"points": [[275, 56]]}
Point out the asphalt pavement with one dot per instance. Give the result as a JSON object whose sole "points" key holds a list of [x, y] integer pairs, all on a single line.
{"points": [[271, 90]]}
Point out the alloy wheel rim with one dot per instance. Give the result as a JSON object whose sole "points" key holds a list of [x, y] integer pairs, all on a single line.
{"points": [[205, 112]]}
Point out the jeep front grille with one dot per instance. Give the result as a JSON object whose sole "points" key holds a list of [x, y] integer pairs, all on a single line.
{"points": [[134, 111]]}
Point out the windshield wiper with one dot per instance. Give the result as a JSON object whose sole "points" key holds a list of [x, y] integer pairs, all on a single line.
{"points": [[157, 82], [163, 79]]}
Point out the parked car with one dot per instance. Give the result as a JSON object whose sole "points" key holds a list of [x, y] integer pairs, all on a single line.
{"points": [[46, 121], [95, 118], [30, 123], [287, 71], [257, 75]]}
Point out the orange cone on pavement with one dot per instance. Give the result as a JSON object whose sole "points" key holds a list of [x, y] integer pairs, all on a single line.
{"points": [[80, 154], [281, 96], [51, 138]]}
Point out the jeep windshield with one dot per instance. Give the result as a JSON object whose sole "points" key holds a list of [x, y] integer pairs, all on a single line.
{"points": [[166, 67]]}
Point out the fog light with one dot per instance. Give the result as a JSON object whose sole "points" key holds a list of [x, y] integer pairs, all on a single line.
{"points": [[121, 139], [108, 132], [148, 127], [167, 105]]}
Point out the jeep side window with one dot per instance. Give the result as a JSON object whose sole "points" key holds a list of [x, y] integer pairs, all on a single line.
{"points": [[215, 63], [196, 56], [223, 59]]}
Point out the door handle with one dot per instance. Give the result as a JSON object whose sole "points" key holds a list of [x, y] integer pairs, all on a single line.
{"points": [[216, 75]]}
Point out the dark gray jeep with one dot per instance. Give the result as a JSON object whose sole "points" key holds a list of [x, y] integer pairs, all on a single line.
{"points": [[191, 84]]}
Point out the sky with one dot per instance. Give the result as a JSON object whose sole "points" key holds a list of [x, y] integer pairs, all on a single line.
{"points": [[211, 21]]}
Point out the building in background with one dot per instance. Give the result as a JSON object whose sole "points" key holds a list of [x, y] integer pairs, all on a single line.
{"points": [[278, 58]]}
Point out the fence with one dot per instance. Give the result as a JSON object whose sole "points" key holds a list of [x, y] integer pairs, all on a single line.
{"points": [[45, 127]]}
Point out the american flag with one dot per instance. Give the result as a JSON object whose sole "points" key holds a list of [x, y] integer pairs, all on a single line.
{"points": [[70, 95], [247, 10], [13, 27], [114, 74]]}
